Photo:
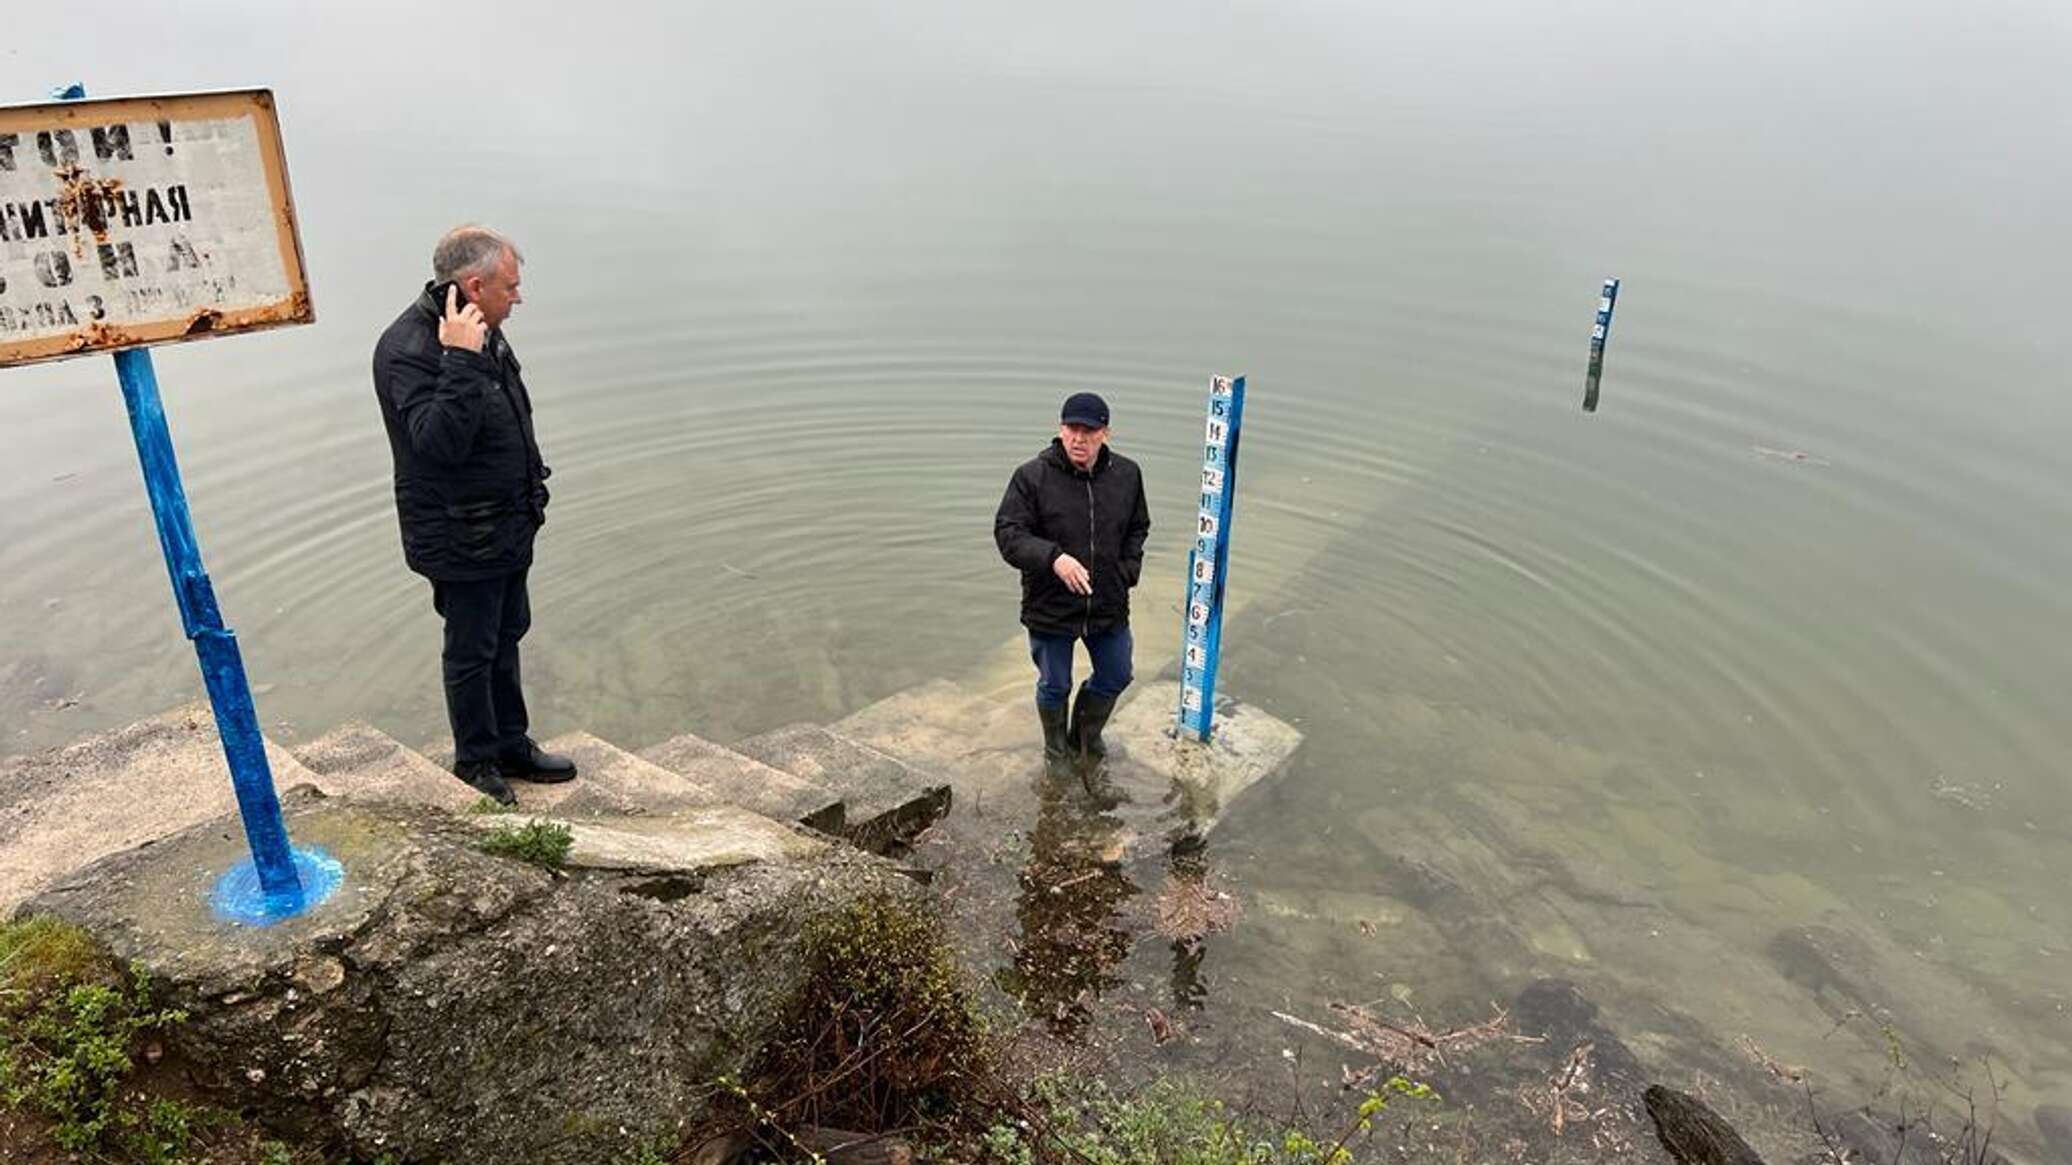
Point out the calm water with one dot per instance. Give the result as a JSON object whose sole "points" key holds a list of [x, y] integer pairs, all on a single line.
{"points": [[803, 286]]}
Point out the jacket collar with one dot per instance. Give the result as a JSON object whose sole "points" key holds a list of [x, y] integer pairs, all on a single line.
{"points": [[1057, 456]]}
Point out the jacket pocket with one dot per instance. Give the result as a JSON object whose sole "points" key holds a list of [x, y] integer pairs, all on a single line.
{"points": [[481, 531]]}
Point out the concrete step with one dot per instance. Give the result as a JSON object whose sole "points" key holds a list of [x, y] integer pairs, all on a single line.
{"points": [[980, 741], [114, 791], [749, 783], [357, 761], [889, 800], [610, 780]]}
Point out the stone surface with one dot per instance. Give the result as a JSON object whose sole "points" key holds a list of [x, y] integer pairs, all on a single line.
{"points": [[110, 792], [611, 780], [741, 780], [447, 1005], [888, 800], [1693, 1133], [359, 761], [1247, 746]]}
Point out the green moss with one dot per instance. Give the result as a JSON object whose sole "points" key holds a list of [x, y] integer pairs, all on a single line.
{"points": [[1081, 1119], [67, 1024], [540, 842]]}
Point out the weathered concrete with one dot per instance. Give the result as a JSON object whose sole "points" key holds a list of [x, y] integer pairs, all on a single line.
{"points": [[888, 799], [610, 780], [1197, 781], [114, 791], [450, 1005], [358, 760], [741, 780]]}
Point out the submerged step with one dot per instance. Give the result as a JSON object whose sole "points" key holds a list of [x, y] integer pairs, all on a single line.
{"points": [[888, 800], [742, 780]]}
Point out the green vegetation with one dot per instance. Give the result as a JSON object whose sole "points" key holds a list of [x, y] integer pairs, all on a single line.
{"points": [[540, 842], [485, 805], [1070, 1118], [68, 1019]]}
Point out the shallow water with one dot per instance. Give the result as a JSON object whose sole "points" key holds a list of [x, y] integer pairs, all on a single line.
{"points": [[802, 288]]}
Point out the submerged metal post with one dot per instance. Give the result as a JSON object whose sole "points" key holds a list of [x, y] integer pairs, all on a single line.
{"points": [[1209, 561], [222, 666]]}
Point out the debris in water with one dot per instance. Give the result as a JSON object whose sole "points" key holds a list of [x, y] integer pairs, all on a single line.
{"points": [[732, 569], [1412, 1048], [1797, 455]]}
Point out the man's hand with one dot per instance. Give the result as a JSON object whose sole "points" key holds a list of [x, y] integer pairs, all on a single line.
{"points": [[1073, 575], [462, 327]]}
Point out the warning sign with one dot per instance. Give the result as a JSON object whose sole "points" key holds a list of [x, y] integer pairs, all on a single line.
{"points": [[144, 220]]}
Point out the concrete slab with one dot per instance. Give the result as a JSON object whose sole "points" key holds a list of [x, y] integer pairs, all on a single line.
{"points": [[686, 841], [741, 780], [1248, 746], [114, 791], [357, 761], [888, 799]]}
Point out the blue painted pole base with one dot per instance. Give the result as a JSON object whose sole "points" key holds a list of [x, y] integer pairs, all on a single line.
{"points": [[240, 896]]}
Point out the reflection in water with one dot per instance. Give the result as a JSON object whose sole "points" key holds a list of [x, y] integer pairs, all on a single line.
{"points": [[1069, 906]]}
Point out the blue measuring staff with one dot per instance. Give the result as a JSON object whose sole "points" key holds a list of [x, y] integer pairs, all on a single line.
{"points": [[270, 886], [1208, 563], [1598, 335]]}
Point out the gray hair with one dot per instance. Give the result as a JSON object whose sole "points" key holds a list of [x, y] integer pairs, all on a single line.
{"points": [[470, 250]]}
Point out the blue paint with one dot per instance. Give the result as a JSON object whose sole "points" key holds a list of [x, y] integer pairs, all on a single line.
{"points": [[1208, 563], [73, 92], [241, 898], [280, 891]]}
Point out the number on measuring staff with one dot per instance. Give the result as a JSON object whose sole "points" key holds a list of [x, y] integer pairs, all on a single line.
{"points": [[1198, 613], [1206, 525], [1216, 431], [1220, 385], [1196, 656], [1205, 570], [1191, 699], [1219, 408], [1212, 480]]}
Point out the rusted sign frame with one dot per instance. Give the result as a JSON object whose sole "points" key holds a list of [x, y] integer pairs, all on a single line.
{"points": [[198, 323]]}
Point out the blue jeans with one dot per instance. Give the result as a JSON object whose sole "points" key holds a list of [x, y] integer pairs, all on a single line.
{"points": [[1110, 651]]}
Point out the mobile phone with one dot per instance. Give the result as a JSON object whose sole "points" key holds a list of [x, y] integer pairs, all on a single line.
{"points": [[460, 299]]}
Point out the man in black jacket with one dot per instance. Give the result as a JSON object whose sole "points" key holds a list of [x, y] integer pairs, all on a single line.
{"points": [[470, 493], [1073, 521]]}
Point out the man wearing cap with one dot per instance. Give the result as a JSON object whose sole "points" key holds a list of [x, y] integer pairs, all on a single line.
{"points": [[1073, 521]]}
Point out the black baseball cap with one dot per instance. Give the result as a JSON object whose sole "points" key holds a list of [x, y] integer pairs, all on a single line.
{"points": [[1084, 408]]}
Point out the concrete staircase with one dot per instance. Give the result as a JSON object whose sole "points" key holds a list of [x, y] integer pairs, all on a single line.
{"points": [[62, 809]]}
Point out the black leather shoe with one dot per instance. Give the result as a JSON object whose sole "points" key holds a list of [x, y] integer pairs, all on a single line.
{"points": [[487, 777], [528, 763]]}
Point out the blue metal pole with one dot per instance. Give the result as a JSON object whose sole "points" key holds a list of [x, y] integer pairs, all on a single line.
{"points": [[222, 666], [1209, 562]]}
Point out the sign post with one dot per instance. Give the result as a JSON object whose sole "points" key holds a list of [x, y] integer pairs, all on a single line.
{"points": [[180, 228], [1209, 562]]}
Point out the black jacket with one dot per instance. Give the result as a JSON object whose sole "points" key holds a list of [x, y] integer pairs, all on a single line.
{"points": [[1097, 516], [470, 486]]}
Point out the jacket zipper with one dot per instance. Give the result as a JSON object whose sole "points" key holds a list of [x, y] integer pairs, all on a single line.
{"points": [[1093, 532]]}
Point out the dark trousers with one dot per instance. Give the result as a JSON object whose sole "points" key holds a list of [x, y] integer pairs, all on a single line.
{"points": [[1110, 651], [485, 619]]}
